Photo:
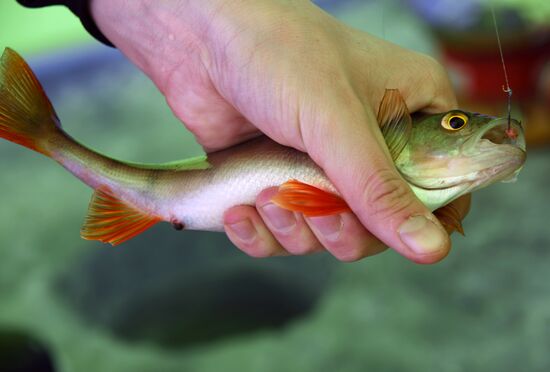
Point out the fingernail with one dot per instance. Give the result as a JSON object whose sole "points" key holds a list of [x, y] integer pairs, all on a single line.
{"points": [[244, 230], [421, 235], [328, 226], [279, 219]]}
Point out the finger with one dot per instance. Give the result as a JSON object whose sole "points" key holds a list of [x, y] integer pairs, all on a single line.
{"points": [[289, 228], [247, 231], [345, 237], [356, 159]]}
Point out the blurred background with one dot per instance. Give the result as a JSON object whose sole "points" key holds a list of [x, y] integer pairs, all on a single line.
{"points": [[189, 301]]}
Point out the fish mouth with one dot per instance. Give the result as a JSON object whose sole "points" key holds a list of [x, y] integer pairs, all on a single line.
{"points": [[499, 131], [501, 146]]}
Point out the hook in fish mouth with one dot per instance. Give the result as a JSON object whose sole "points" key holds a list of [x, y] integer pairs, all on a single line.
{"points": [[508, 136], [500, 131]]}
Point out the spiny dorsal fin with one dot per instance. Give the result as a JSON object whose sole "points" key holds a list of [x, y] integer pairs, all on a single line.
{"points": [[110, 220], [309, 200], [395, 121], [450, 219]]}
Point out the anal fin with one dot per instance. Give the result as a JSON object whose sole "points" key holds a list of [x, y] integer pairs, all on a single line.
{"points": [[110, 220], [309, 200]]}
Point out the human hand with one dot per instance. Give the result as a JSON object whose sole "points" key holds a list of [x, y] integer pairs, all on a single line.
{"points": [[232, 69]]}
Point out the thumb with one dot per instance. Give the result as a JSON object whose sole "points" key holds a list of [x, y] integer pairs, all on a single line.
{"points": [[357, 161]]}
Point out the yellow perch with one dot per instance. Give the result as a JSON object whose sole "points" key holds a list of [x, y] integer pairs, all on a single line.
{"points": [[441, 156]]}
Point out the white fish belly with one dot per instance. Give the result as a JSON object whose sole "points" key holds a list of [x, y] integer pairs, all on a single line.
{"points": [[203, 208]]}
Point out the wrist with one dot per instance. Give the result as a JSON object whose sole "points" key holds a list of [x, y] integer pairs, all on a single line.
{"points": [[155, 35]]}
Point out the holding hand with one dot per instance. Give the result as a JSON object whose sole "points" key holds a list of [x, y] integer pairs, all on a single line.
{"points": [[233, 69]]}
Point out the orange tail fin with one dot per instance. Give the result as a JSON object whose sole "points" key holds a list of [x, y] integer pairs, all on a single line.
{"points": [[26, 115]]}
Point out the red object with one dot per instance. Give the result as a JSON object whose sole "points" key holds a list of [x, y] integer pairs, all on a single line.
{"points": [[479, 71], [511, 133]]}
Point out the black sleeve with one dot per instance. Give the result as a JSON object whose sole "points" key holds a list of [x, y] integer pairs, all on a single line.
{"points": [[80, 8]]}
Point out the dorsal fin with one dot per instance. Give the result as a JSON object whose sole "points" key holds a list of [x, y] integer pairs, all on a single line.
{"points": [[309, 200], [395, 121], [196, 163], [110, 220]]}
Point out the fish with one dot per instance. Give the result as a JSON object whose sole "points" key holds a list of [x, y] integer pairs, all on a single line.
{"points": [[441, 156]]}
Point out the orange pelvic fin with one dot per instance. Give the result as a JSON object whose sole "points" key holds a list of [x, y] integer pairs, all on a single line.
{"points": [[26, 115], [308, 200], [111, 221], [450, 219]]}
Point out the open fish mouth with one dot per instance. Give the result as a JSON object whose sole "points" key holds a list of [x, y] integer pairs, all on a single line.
{"points": [[499, 132], [506, 138]]}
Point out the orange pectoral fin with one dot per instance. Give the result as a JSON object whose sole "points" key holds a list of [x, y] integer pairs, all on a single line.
{"points": [[449, 217], [308, 200], [111, 221]]}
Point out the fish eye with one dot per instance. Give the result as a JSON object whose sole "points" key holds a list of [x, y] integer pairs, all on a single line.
{"points": [[454, 121]]}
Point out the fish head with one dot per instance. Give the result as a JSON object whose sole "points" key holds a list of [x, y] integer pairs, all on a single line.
{"points": [[456, 152]]}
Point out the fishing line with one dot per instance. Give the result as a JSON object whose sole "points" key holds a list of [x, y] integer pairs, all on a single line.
{"points": [[505, 88]]}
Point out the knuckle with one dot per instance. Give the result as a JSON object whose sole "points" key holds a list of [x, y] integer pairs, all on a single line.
{"points": [[192, 123], [207, 141], [387, 194], [255, 253], [349, 255], [347, 250], [438, 78], [438, 89], [351, 250], [260, 250], [357, 249], [433, 65], [298, 241], [301, 249]]}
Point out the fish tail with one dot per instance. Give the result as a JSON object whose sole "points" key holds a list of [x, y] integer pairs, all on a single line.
{"points": [[27, 116]]}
